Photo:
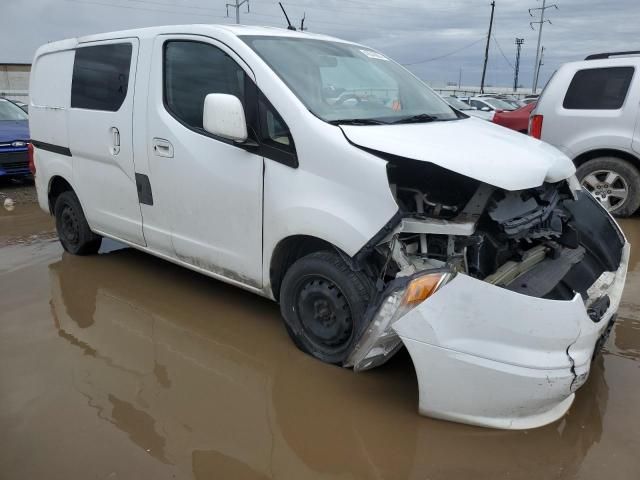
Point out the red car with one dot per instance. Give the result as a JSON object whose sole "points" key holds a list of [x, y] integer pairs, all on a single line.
{"points": [[515, 119]]}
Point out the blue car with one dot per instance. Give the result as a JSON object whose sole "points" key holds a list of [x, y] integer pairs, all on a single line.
{"points": [[14, 140]]}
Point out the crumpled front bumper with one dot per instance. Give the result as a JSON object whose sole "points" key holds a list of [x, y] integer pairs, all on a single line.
{"points": [[488, 356]]}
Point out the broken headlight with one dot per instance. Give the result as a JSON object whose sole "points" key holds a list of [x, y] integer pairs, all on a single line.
{"points": [[379, 342]]}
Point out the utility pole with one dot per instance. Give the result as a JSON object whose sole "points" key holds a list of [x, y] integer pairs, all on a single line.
{"points": [[460, 78], [519, 42], [540, 24], [486, 51], [540, 63], [237, 6]]}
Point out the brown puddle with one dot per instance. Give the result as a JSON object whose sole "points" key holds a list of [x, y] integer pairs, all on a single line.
{"points": [[124, 366]]}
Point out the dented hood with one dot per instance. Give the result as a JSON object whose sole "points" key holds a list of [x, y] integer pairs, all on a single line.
{"points": [[470, 147]]}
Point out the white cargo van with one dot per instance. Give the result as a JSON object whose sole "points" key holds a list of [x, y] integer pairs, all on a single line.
{"points": [[323, 175]]}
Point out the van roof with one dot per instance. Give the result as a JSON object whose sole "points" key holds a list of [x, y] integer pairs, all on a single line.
{"points": [[235, 30]]}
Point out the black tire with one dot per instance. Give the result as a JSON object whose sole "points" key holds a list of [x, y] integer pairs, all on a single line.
{"points": [[323, 303], [629, 178], [73, 230]]}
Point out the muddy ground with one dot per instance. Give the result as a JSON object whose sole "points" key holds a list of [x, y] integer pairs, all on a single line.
{"points": [[123, 366]]}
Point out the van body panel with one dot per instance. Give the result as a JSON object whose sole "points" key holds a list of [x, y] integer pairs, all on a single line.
{"points": [[49, 106], [48, 100], [345, 210], [209, 192], [97, 160]]}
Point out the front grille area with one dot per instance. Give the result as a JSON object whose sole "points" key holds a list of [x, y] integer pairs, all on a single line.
{"points": [[14, 162]]}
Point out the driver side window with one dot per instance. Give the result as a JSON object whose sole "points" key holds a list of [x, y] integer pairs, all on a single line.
{"points": [[192, 70]]}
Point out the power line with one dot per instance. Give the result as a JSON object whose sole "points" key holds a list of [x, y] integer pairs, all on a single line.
{"points": [[502, 52], [165, 4], [204, 13], [130, 7], [446, 54]]}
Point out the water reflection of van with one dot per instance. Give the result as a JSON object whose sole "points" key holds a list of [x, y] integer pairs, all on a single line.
{"points": [[205, 396]]}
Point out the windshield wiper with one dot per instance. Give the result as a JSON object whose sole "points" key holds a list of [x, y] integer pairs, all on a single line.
{"points": [[420, 118], [358, 121]]}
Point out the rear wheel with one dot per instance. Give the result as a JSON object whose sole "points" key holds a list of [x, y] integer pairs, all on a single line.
{"points": [[614, 182], [323, 302], [73, 230]]}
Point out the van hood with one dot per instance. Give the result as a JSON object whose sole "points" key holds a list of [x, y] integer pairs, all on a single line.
{"points": [[471, 147]]}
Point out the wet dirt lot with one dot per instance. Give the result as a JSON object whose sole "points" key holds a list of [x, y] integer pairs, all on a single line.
{"points": [[124, 366]]}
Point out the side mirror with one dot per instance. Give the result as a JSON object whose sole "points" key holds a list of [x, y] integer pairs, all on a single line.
{"points": [[485, 109], [223, 115]]}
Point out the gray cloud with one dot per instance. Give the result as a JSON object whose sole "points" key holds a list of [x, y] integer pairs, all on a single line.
{"points": [[407, 30]]}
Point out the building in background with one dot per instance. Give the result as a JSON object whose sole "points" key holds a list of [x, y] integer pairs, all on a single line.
{"points": [[14, 81]]}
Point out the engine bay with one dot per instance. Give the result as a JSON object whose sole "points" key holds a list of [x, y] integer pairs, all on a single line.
{"points": [[550, 242]]}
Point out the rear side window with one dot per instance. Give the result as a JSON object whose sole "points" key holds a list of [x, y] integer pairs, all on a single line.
{"points": [[598, 89], [101, 77], [192, 70]]}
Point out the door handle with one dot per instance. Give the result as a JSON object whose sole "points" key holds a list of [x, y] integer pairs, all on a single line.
{"points": [[162, 147], [115, 141]]}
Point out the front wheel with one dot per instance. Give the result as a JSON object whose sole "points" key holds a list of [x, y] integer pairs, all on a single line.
{"points": [[614, 182], [323, 302], [73, 230]]}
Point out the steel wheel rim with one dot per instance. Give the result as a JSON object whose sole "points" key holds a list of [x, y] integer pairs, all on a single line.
{"points": [[324, 313], [608, 186], [69, 225]]}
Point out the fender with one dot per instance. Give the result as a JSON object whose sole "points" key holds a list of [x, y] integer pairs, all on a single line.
{"points": [[345, 211]]}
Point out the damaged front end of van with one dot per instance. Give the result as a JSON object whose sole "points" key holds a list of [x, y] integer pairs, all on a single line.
{"points": [[502, 297]]}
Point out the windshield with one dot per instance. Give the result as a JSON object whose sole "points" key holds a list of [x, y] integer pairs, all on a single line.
{"points": [[341, 82], [10, 111], [456, 103], [498, 104]]}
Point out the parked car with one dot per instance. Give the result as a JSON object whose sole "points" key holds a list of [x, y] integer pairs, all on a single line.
{"points": [[529, 100], [517, 120], [467, 109], [377, 217], [590, 111], [515, 104], [14, 140], [22, 105], [489, 104]]}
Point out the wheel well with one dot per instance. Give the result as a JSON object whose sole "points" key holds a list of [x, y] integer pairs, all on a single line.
{"points": [[606, 152], [57, 186], [287, 252]]}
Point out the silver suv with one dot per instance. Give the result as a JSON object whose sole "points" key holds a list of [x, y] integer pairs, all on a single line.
{"points": [[589, 110]]}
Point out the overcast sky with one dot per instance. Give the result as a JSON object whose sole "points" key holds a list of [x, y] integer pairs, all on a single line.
{"points": [[448, 34]]}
